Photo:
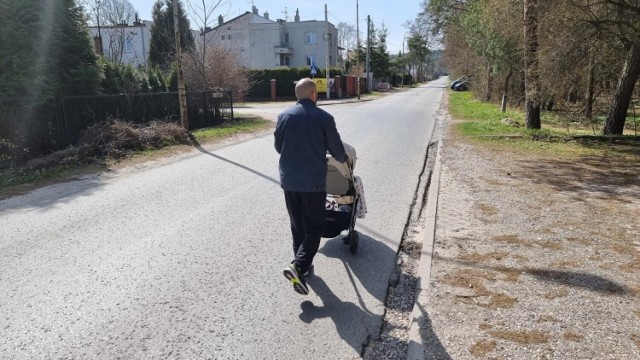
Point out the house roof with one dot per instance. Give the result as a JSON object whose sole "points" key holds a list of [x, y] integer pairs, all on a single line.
{"points": [[238, 17]]}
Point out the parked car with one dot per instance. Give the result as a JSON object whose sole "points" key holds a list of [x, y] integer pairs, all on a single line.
{"points": [[384, 86], [461, 84]]}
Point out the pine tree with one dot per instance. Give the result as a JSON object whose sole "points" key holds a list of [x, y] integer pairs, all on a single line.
{"points": [[162, 46]]}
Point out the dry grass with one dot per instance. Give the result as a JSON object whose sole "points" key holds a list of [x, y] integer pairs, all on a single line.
{"points": [[556, 294], [522, 337], [510, 274], [635, 338], [547, 318], [577, 240], [481, 348], [487, 212], [477, 258], [485, 326], [520, 258], [624, 248], [566, 264], [511, 239], [479, 294], [571, 336], [637, 312], [551, 245], [630, 267]]}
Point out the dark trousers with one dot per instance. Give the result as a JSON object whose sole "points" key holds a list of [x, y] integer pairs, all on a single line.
{"points": [[307, 215]]}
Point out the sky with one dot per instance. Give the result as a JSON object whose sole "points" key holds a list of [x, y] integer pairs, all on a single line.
{"points": [[394, 13]]}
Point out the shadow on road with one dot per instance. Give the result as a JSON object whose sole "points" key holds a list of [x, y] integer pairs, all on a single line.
{"points": [[55, 194], [205, 151], [345, 315], [433, 348]]}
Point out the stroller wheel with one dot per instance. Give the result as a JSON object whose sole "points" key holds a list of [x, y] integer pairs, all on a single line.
{"points": [[353, 241]]}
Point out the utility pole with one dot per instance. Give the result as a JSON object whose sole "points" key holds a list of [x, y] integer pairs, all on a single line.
{"points": [[358, 48], [368, 65], [182, 92], [326, 58]]}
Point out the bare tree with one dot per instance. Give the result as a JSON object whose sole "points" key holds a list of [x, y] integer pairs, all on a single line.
{"points": [[109, 12], [202, 14]]}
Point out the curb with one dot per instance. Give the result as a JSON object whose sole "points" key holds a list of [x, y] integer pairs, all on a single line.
{"points": [[415, 350]]}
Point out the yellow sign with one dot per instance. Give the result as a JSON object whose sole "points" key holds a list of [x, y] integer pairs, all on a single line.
{"points": [[321, 85]]}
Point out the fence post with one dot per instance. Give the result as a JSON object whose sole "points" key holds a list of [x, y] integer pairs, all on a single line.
{"points": [[338, 86], [207, 112], [273, 89], [125, 108], [231, 102]]}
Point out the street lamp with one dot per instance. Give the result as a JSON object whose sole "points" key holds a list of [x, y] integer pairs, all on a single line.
{"points": [[358, 49]]}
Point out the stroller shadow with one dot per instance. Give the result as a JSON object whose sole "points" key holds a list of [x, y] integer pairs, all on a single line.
{"points": [[373, 264], [345, 315]]}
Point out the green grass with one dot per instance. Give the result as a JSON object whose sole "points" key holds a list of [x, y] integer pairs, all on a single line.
{"points": [[241, 124], [484, 122]]}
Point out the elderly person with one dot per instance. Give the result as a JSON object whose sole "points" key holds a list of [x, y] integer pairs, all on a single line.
{"points": [[303, 136]]}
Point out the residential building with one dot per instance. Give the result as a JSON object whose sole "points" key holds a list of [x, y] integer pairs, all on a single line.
{"points": [[262, 43], [127, 44]]}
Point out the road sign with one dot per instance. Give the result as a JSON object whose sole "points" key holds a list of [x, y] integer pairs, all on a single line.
{"points": [[314, 71], [321, 85]]}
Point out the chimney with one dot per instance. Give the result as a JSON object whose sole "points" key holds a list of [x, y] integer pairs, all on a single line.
{"points": [[255, 9], [220, 20], [266, 15], [297, 18]]}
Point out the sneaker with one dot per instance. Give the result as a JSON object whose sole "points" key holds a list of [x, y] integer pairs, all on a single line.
{"points": [[309, 271], [292, 273]]}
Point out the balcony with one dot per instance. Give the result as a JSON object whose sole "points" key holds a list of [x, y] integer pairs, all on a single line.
{"points": [[283, 50]]}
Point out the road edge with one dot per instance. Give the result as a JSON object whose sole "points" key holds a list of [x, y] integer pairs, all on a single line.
{"points": [[415, 349]]}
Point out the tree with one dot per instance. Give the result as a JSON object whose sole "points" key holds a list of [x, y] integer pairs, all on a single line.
{"points": [[622, 98], [162, 49], [346, 37], [58, 59], [201, 61], [109, 12], [531, 69]]}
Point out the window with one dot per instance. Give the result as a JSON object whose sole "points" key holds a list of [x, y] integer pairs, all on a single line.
{"points": [[311, 60], [127, 45], [229, 36], [311, 38], [284, 60], [222, 37], [286, 38]]}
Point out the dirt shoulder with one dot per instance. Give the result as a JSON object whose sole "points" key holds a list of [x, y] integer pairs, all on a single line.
{"points": [[536, 256]]}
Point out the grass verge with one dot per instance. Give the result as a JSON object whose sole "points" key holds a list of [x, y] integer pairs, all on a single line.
{"points": [[19, 180], [560, 133]]}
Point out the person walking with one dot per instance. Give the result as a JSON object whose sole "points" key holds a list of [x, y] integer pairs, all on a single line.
{"points": [[304, 133]]}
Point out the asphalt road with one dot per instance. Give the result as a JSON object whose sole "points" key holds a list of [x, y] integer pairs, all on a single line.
{"points": [[184, 259]]}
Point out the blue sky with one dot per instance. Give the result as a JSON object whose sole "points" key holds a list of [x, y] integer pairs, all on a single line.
{"points": [[393, 13]]}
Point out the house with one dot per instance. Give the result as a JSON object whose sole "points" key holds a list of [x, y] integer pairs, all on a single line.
{"points": [[262, 43], [127, 44]]}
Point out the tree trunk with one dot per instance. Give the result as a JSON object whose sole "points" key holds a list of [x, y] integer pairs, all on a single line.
{"points": [[532, 75], [627, 81], [505, 90], [588, 109], [489, 82]]}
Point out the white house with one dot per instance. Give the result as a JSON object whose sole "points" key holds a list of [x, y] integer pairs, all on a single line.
{"points": [[262, 43], [127, 44]]}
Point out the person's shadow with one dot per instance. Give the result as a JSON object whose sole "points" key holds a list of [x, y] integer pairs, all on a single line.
{"points": [[370, 268], [345, 315]]}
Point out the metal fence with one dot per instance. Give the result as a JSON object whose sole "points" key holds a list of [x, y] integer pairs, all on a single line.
{"points": [[43, 128]]}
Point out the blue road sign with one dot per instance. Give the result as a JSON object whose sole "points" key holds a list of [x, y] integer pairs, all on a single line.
{"points": [[314, 71]]}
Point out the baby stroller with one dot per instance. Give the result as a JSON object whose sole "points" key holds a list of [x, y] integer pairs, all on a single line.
{"points": [[342, 199]]}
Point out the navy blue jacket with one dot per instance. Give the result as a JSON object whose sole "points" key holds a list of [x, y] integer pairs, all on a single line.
{"points": [[303, 136]]}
